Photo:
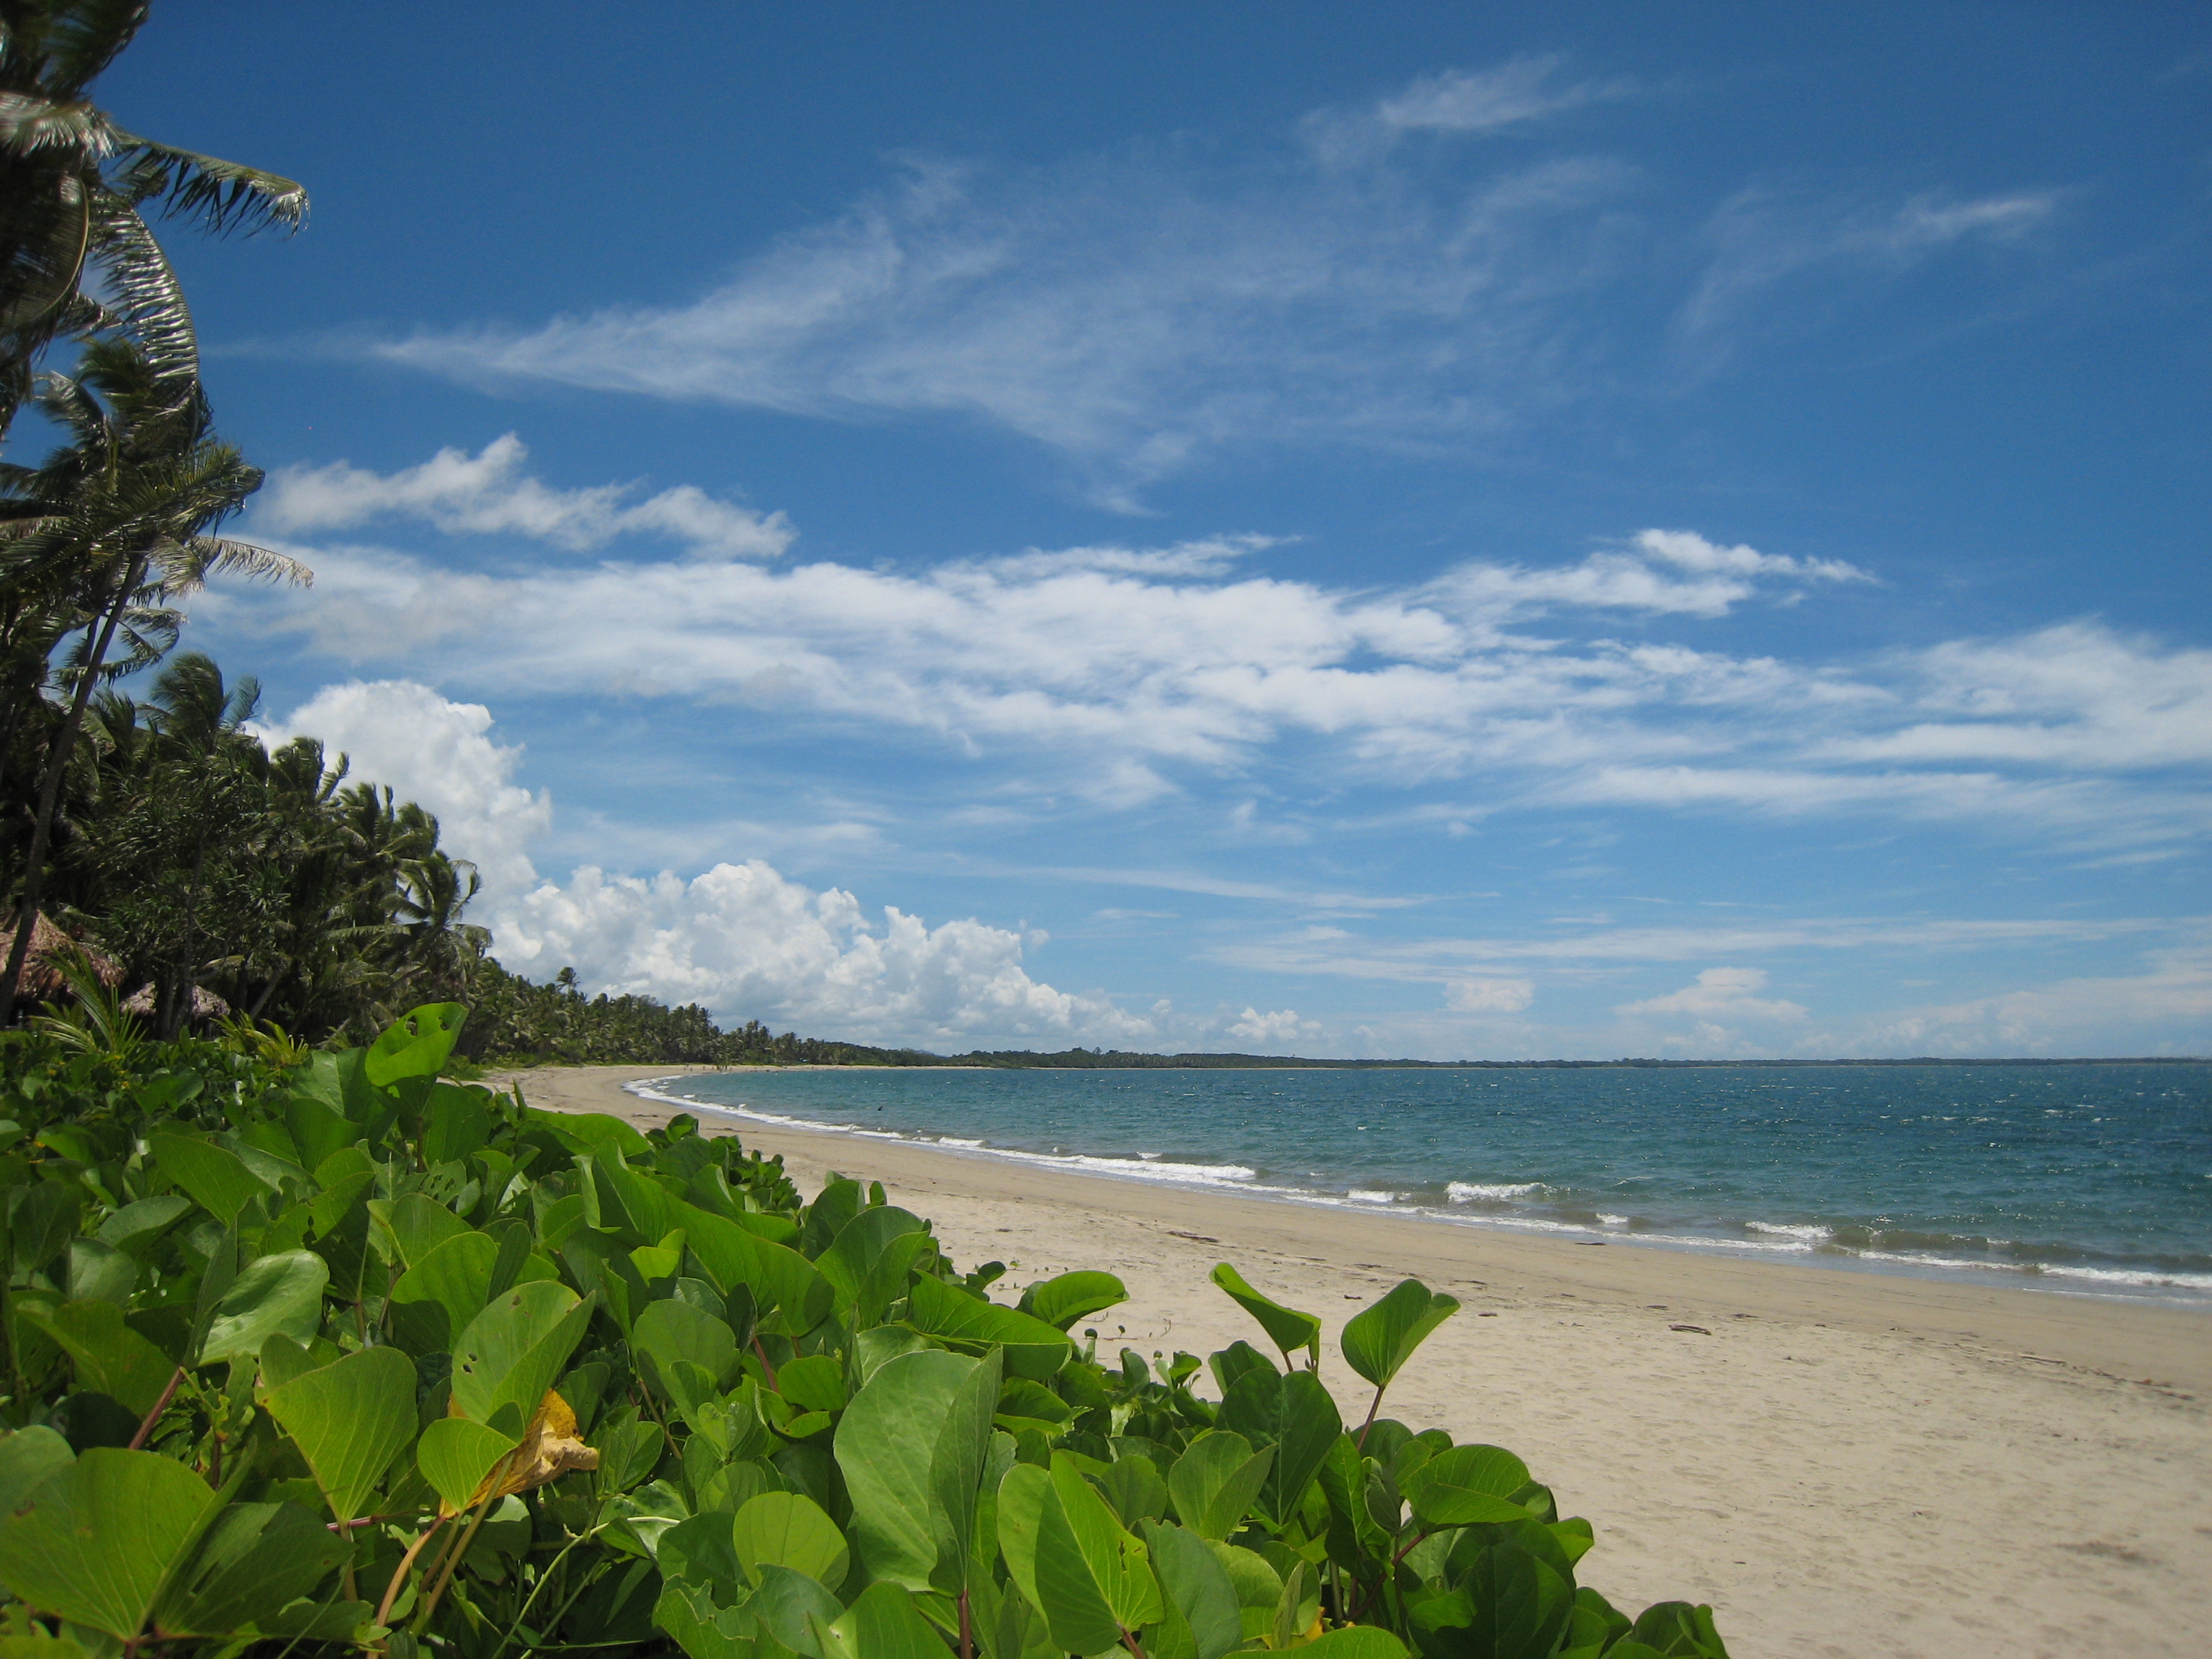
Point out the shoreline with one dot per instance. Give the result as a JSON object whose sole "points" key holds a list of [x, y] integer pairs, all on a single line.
{"points": [[1790, 1243], [1842, 1463]]}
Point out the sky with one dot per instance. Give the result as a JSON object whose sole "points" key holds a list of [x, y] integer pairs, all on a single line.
{"points": [[1520, 531]]}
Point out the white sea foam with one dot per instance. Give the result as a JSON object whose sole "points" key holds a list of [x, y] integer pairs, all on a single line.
{"points": [[1612, 1220], [1468, 1191], [1785, 1230], [1368, 1196]]}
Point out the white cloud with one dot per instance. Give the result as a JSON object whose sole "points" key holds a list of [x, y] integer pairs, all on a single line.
{"points": [[1152, 664], [1489, 996], [489, 494], [750, 943], [1481, 100], [1761, 239], [740, 938], [1720, 994], [1281, 1026], [1136, 311], [2172, 997], [437, 753]]}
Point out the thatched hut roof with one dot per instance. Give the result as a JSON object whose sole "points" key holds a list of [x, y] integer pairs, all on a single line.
{"points": [[42, 979], [206, 1005]]}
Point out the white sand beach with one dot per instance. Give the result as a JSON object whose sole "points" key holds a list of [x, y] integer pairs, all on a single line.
{"points": [[1842, 1463]]}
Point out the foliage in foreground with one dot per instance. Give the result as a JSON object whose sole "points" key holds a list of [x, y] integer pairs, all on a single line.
{"points": [[323, 1352]]}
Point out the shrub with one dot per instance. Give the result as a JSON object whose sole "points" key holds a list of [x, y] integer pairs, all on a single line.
{"points": [[338, 1353]]}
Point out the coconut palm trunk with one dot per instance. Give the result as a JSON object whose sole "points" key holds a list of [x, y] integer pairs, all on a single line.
{"points": [[50, 787]]}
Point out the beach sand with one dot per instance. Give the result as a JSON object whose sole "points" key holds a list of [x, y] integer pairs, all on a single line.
{"points": [[1842, 1463]]}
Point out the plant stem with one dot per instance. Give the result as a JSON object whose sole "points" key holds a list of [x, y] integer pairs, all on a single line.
{"points": [[967, 1637], [399, 1572], [146, 1427], [500, 1470], [1374, 1405], [543, 1578], [765, 1365]]}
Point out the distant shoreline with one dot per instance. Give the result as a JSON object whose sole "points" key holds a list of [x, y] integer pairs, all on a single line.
{"points": [[1080, 1059]]}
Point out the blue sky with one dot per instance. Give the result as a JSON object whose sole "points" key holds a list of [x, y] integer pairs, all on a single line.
{"points": [[1576, 530]]}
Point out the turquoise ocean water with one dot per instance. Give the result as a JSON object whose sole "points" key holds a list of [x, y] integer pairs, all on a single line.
{"points": [[2087, 1179]]}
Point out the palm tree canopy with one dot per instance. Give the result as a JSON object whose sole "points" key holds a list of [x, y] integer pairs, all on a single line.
{"points": [[75, 188]]}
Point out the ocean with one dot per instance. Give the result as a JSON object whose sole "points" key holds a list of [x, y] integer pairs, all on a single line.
{"points": [[2091, 1180]]}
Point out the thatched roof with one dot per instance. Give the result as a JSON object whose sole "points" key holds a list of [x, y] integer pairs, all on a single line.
{"points": [[42, 980], [206, 1005]]}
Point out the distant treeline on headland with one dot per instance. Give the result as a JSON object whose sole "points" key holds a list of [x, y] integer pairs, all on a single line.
{"points": [[513, 1021]]}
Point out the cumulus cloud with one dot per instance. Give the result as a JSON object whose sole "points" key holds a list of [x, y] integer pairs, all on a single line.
{"points": [[1281, 1026], [748, 943], [1720, 994], [741, 938], [1489, 996], [489, 494], [437, 753]]}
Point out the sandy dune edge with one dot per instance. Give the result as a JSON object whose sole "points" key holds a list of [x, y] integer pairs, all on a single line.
{"points": [[1842, 1464]]}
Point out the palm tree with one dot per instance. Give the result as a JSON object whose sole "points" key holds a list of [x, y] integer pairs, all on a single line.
{"points": [[124, 514], [73, 186]]}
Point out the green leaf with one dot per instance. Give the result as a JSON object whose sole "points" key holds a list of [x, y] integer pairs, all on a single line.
{"points": [[318, 1128], [1379, 1340], [28, 1457], [1468, 1485], [1679, 1630], [46, 1219], [255, 1561], [1060, 1302], [1195, 1583], [136, 1226], [435, 1299], [1033, 1348], [687, 1612], [456, 1122], [215, 1177], [784, 1529], [101, 1536], [1046, 1563], [109, 1356], [100, 1273], [1286, 1327], [510, 1353], [455, 1454], [702, 1550], [417, 1225], [1294, 1413], [1508, 1606], [670, 1330], [600, 1134], [1132, 1486], [857, 1245], [777, 1276], [1355, 1642], [1215, 1482], [887, 1448], [281, 1292], [350, 1420], [415, 1045], [884, 1624], [814, 1383], [1086, 1573]]}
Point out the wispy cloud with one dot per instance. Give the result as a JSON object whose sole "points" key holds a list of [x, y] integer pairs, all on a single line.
{"points": [[489, 494], [1161, 664], [1136, 313]]}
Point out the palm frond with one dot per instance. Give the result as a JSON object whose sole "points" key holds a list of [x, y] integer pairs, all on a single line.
{"points": [[33, 125], [84, 38], [219, 554], [223, 195], [152, 308]]}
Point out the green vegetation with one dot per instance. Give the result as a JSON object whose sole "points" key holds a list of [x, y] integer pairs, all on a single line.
{"points": [[316, 1352]]}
